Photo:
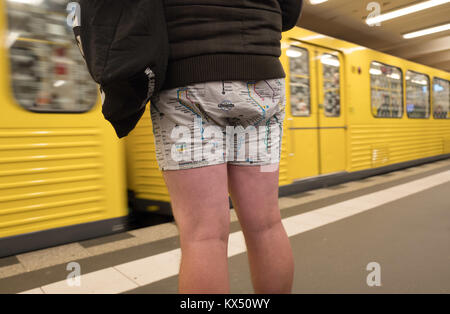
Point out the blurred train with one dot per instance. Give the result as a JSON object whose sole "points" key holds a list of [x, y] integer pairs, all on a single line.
{"points": [[64, 176]]}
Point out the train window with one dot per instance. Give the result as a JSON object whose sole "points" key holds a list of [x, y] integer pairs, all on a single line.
{"points": [[331, 85], [417, 95], [441, 99], [48, 73], [299, 81], [387, 90]]}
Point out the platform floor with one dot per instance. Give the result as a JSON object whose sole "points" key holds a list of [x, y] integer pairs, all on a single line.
{"points": [[400, 220]]}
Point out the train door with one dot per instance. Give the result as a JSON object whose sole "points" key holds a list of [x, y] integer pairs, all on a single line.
{"points": [[330, 115], [315, 117]]}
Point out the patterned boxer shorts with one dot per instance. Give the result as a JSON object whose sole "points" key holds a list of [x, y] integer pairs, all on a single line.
{"points": [[203, 124]]}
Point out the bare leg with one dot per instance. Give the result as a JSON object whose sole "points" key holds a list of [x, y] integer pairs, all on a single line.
{"points": [[200, 206], [255, 199]]}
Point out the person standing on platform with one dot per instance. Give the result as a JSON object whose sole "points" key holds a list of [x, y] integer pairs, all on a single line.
{"points": [[217, 124]]}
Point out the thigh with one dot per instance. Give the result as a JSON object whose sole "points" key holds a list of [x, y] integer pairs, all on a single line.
{"points": [[255, 196], [199, 198]]}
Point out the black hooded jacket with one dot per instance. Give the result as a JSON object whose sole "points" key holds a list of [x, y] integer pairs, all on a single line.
{"points": [[214, 40]]}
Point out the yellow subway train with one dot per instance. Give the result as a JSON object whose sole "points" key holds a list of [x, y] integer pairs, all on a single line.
{"points": [[351, 112]]}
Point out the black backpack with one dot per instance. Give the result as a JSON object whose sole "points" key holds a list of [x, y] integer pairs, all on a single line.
{"points": [[125, 46]]}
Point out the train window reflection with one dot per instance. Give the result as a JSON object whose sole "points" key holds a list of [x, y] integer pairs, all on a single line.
{"points": [[299, 81], [386, 90], [417, 95], [48, 73], [441, 99], [331, 85]]}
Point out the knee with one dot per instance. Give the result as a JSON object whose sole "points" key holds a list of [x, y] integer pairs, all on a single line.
{"points": [[206, 231], [262, 226]]}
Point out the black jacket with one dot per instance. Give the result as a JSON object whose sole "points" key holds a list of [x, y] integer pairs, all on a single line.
{"points": [[133, 51], [126, 51], [213, 40]]}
